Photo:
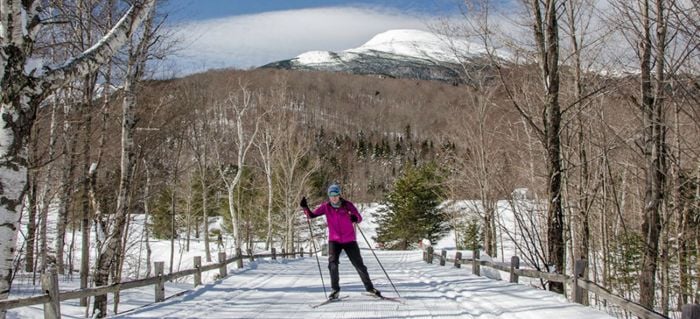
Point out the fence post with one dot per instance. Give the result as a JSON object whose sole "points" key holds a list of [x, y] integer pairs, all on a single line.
{"points": [[222, 260], [690, 311], [301, 252], [443, 255], [476, 266], [49, 283], [198, 274], [576, 290], [250, 255], [274, 253], [284, 253], [430, 254], [514, 264], [458, 259], [239, 258], [160, 285]]}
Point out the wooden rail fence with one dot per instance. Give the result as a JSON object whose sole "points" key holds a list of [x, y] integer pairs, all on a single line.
{"points": [[691, 311], [52, 297]]}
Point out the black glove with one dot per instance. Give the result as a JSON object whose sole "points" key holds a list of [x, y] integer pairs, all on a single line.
{"points": [[303, 203], [353, 218]]}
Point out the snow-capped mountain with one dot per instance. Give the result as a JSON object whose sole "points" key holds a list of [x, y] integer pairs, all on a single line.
{"points": [[398, 54]]}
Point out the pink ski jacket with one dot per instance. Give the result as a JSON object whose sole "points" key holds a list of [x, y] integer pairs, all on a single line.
{"points": [[340, 227]]}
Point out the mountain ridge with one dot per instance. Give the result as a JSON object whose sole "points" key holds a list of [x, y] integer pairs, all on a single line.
{"points": [[401, 53]]}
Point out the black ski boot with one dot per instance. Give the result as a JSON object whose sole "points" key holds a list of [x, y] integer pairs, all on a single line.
{"points": [[334, 295], [375, 292]]}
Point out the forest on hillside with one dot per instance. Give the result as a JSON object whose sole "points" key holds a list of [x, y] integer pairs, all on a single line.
{"points": [[611, 158]]}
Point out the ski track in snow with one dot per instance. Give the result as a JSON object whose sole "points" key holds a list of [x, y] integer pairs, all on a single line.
{"points": [[286, 288]]}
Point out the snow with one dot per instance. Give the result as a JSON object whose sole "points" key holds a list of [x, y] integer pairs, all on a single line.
{"points": [[420, 44], [406, 43], [285, 288], [315, 57]]}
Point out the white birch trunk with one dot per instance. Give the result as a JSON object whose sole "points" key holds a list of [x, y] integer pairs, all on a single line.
{"points": [[108, 254], [19, 25], [244, 143]]}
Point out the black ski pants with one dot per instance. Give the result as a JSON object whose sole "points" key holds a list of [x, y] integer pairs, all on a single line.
{"points": [[353, 252]]}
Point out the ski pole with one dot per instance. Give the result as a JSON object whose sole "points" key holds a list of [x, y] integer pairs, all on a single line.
{"points": [[313, 243], [377, 258]]}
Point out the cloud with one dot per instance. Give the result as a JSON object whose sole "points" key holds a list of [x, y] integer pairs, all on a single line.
{"points": [[253, 40]]}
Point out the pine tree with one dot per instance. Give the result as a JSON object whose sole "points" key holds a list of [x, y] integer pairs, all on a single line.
{"points": [[161, 215], [412, 211]]}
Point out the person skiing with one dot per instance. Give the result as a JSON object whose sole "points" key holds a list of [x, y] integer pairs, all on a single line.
{"points": [[340, 215]]}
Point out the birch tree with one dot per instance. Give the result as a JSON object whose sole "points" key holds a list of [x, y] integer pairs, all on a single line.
{"points": [[22, 90], [242, 107], [107, 255]]}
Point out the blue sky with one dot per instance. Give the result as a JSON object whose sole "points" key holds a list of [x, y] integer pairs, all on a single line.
{"points": [[249, 33]]}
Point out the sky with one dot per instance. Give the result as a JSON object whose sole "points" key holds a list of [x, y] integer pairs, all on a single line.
{"points": [[288, 288], [251, 33]]}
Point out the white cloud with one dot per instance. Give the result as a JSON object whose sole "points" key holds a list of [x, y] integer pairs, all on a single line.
{"points": [[254, 40]]}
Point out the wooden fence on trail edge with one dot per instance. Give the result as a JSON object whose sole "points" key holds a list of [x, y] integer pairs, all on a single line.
{"points": [[52, 297], [691, 311]]}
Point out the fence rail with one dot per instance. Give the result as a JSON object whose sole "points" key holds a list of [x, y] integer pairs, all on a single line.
{"points": [[691, 311], [52, 297]]}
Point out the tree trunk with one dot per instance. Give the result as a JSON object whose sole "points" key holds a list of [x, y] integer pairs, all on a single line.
{"points": [[31, 225], [266, 158], [547, 42], [107, 254], [173, 199], [21, 98], [234, 215], [188, 212], [146, 212], [205, 211], [654, 150], [32, 208]]}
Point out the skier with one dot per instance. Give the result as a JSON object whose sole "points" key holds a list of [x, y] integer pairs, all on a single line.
{"points": [[340, 216]]}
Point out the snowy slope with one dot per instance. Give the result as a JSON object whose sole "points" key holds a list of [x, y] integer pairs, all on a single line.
{"points": [[404, 44], [398, 53]]}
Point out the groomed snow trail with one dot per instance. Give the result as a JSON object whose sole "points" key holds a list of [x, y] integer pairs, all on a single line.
{"points": [[286, 288]]}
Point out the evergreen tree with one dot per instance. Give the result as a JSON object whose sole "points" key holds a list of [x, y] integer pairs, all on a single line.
{"points": [[412, 208], [161, 215]]}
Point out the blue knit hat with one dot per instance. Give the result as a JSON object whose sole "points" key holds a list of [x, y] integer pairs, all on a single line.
{"points": [[333, 190]]}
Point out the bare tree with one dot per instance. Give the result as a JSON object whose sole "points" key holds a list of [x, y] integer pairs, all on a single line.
{"points": [[481, 166], [646, 24], [242, 104], [106, 256], [543, 19], [295, 167], [199, 136], [24, 92], [267, 145]]}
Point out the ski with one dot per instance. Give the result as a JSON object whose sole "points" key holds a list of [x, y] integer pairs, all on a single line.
{"points": [[384, 298], [327, 301]]}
